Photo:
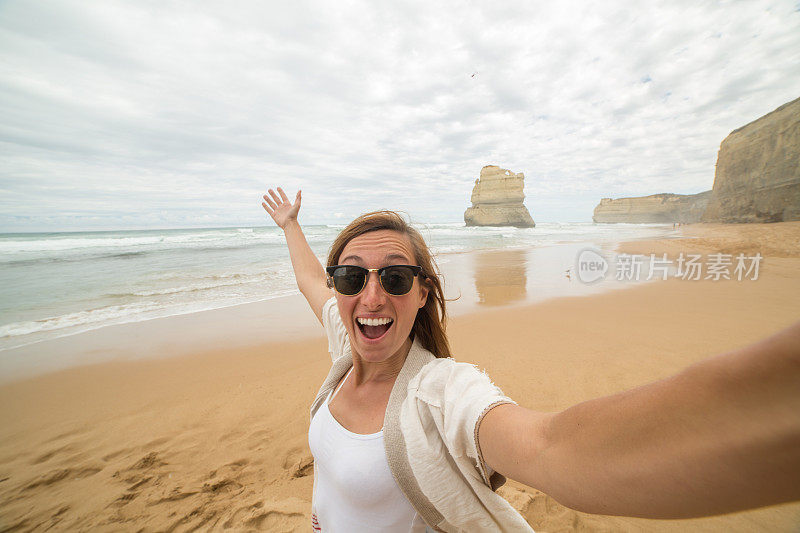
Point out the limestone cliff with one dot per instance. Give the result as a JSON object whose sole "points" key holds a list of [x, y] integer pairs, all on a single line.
{"points": [[758, 170], [497, 200], [664, 208]]}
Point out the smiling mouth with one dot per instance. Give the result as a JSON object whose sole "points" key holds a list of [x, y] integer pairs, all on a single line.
{"points": [[374, 332]]}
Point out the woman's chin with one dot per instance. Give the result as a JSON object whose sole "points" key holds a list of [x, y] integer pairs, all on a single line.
{"points": [[376, 350], [374, 357], [376, 353]]}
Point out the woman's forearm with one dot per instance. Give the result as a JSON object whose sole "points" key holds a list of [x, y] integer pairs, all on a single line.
{"points": [[721, 436], [308, 270]]}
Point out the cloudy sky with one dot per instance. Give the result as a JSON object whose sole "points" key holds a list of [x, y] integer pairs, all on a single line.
{"points": [[136, 114]]}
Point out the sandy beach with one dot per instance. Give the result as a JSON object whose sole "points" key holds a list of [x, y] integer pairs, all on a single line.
{"points": [[216, 439]]}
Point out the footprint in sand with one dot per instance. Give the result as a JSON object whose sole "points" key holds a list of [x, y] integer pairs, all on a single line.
{"points": [[176, 495], [238, 464], [257, 439], [542, 511], [139, 478], [137, 482], [55, 476], [107, 457], [298, 463], [125, 499], [232, 435], [285, 515], [60, 511], [304, 468], [148, 461], [225, 486], [157, 442], [48, 479], [52, 453], [70, 433], [198, 519], [228, 485], [234, 467], [276, 521]]}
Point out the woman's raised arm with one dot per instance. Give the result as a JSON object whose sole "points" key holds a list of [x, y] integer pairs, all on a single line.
{"points": [[721, 436], [308, 272]]}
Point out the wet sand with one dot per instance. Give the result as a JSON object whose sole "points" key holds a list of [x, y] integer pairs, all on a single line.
{"points": [[216, 438]]}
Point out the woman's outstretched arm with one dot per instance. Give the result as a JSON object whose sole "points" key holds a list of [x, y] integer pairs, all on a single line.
{"points": [[308, 272], [721, 436]]}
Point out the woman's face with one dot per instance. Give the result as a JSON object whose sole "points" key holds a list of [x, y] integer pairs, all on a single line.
{"points": [[378, 249]]}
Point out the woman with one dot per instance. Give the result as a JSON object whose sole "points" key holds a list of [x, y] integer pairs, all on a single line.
{"points": [[404, 438]]}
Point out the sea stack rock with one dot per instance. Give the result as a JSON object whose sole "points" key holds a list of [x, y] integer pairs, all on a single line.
{"points": [[758, 170], [497, 200], [664, 208]]}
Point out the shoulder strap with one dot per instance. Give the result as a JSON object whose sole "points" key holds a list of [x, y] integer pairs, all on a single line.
{"points": [[340, 366], [395, 444], [341, 384]]}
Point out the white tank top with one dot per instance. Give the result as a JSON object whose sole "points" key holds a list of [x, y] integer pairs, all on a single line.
{"points": [[354, 490]]}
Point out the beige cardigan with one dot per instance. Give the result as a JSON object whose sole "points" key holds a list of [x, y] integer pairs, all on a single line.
{"points": [[430, 433]]}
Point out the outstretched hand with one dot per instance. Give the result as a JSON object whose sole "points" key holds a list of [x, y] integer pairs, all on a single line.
{"points": [[280, 208]]}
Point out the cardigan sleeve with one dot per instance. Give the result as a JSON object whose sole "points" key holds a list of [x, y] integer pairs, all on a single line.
{"points": [[338, 340], [460, 394]]}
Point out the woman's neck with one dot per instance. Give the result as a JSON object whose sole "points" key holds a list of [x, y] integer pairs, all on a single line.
{"points": [[382, 371]]}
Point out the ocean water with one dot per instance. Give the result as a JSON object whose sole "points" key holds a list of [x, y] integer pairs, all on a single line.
{"points": [[56, 284]]}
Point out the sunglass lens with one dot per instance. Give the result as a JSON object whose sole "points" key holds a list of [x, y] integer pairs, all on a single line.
{"points": [[348, 280], [397, 280]]}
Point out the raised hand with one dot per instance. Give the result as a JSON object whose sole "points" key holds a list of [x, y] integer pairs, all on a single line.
{"points": [[280, 208]]}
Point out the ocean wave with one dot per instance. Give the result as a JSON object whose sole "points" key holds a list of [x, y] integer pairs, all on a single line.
{"points": [[79, 318], [231, 281], [158, 241], [71, 256], [62, 243], [81, 321], [125, 255], [11, 261], [15, 262], [184, 285]]}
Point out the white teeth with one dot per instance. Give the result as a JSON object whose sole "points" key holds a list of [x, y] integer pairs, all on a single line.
{"points": [[374, 321]]}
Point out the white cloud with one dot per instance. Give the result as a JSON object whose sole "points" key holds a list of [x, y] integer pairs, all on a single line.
{"points": [[132, 114]]}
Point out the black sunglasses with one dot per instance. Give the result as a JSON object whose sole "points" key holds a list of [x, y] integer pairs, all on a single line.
{"points": [[350, 280]]}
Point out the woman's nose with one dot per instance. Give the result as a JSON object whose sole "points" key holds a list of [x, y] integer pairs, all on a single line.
{"points": [[373, 294]]}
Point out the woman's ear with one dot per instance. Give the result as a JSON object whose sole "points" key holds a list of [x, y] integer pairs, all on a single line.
{"points": [[424, 289]]}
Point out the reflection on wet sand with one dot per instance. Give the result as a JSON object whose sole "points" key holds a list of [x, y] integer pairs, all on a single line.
{"points": [[500, 276]]}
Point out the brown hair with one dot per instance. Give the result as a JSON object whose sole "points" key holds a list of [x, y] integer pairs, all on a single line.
{"points": [[429, 325]]}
